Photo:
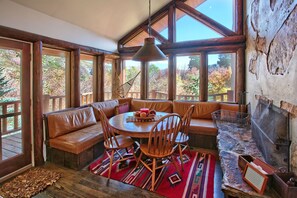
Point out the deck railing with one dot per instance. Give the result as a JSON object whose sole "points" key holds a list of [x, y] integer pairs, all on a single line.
{"points": [[10, 112], [10, 119]]}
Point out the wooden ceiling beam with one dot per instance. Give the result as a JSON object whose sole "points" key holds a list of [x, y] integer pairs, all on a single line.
{"points": [[156, 34], [204, 19], [200, 44]]}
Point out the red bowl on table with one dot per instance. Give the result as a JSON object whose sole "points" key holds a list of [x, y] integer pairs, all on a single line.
{"points": [[146, 110]]}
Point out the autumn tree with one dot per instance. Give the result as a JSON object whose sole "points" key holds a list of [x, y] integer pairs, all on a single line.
{"points": [[4, 88]]}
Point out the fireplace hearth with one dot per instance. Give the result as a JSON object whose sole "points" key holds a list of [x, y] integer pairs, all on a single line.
{"points": [[270, 130]]}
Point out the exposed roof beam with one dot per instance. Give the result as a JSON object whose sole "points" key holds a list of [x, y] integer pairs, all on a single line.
{"points": [[156, 34]]}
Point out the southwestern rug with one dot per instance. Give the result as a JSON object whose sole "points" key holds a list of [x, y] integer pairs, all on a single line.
{"points": [[197, 179]]}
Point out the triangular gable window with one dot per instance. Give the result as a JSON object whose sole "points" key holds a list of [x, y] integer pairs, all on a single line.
{"points": [[218, 10], [189, 29], [138, 40], [161, 26]]}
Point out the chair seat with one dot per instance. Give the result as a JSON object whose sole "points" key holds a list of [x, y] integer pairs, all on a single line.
{"points": [[144, 150], [124, 142], [181, 138]]}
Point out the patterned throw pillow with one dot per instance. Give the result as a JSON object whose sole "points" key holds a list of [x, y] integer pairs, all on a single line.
{"points": [[122, 108]]}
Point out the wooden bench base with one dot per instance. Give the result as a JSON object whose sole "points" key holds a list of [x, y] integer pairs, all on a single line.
{"points": [[75, 161], [203, 141]]}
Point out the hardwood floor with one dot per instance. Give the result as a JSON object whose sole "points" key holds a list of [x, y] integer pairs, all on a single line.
{"points": [[78, 184], [11, 145]]}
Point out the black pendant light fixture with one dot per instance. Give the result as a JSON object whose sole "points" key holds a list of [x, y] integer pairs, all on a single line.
{"points": [[149, 51]]}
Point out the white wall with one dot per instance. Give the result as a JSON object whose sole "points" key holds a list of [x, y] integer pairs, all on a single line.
{"points": [[22, 18], [271, 35]]}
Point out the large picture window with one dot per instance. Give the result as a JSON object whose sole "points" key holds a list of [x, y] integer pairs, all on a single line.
{"points": [[108, 79], [86, 70], [54, 66], [131, 70], [158, 80], [187, 77], [221, 77]]}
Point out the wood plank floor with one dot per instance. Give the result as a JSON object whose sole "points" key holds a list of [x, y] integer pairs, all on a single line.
{"points": [[11, 145], [83, 184]]}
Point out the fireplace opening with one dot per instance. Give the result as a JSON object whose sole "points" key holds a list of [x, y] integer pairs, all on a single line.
{"points": [[270, 130]]}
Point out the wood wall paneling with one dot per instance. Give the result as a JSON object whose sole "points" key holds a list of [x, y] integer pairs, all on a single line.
{"points": [[74, 78], [37, 103], [203, 89], [100, 67], [240, 74], [171, 77]]}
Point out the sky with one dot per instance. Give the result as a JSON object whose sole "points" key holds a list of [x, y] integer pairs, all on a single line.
{"points": [[190, 29]]}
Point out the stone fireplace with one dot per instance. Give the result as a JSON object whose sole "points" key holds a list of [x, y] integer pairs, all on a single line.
{"points": [[270, 130], [271, 58]]}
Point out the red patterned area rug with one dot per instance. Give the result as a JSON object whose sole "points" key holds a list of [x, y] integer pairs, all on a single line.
{"points": [[197, 179]]}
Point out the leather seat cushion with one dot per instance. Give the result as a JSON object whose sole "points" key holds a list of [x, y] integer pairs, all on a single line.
{"points": [[203, 127], [159, 105], [78, 141], [67, 121], [202, 110], [108, 108]]}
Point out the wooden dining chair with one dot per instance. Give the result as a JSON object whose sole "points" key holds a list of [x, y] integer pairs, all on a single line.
{"points": [[182, 137], [113, 143], [160, 145]]}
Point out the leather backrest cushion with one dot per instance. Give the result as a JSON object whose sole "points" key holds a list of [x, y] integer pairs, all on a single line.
{"points": [[160, 105], [125, 100], [108, 108], [229, 107], [65, 122], [202, 110]]}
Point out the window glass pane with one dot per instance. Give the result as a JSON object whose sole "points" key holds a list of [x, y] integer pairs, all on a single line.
{"points": [[161, 26], [86, 79], [198, 31], [158, 80], [221, 77], [54, 79], [138, 40], [130, 71], [213, 9], [107, 79], [187, 77]]}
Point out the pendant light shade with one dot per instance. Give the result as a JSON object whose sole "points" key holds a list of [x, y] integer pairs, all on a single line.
{"points": [[149, 51]]}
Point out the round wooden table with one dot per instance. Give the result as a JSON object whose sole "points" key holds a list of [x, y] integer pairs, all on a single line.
{"points": [[132, 129]]}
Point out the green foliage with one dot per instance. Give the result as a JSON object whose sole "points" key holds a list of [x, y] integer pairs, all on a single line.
{"points": [[53, 75], [224, 60], [194, 62], [192, 85]]}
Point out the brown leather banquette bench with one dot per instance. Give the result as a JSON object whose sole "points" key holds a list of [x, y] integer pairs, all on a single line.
{"points": [[74, 136]]}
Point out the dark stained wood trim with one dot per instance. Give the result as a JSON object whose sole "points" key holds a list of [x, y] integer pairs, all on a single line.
{"points": [[192, 44], [31, 37], [171, 24], [203, 87], [143, 80], [37, 103], [171, 77], [74, 78], [223, 48], [100, 73], [238, 17], [156, 34], [95, 79], [240, 74], [12, 164], [204, 19], [154, 18]]}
